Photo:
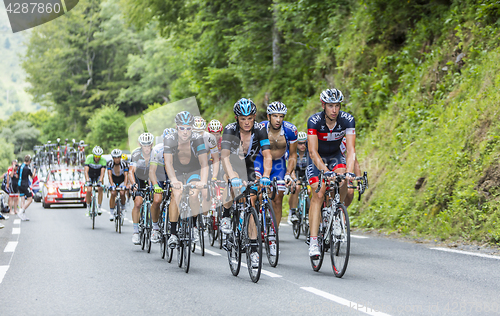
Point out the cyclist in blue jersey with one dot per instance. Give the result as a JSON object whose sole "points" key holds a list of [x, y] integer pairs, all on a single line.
{"points": [[118, 177], [300, 172], [283, 144], [326, 130]]}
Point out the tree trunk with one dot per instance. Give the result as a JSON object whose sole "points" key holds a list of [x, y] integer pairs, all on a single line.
{"points": [[276, 39]]}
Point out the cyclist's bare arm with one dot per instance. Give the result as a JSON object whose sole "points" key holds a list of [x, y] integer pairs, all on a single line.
{"points": [[351, 151], [226, 164], [131, 172], [292, 159], [152, 173], [86, 173], [110, 178], [204, 167], [268, 163]]}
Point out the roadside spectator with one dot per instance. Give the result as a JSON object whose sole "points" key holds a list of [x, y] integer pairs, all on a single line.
{"points": [[12, 180], [24, 173]]}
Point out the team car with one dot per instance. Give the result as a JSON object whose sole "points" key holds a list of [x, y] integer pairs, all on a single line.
{"points": [[64, 186]]}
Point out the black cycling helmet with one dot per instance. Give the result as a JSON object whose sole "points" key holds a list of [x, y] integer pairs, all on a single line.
{"points": [[244, 107], [184, 118]]}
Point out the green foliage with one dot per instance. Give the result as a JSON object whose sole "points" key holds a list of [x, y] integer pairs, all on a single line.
{"points": [[6, 154], [13, 96], [108, 128], [87, 58], [22, 135]]}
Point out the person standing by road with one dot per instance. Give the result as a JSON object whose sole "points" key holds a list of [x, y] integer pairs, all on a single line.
{"points": [[12, 186], [24, 173]]}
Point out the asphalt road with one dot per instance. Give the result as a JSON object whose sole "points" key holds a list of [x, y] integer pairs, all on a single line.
{"points": [[55, 264]]}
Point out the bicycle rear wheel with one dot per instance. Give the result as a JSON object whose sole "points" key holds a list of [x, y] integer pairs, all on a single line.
{"points": [[201, 233], [94, 211], [148, 228], [305, 216], [317, 262], [232, 245], [187, 227], [340, 241], [211, 229], [254, 247], [271, 238], [117, 217], [220, 235]]}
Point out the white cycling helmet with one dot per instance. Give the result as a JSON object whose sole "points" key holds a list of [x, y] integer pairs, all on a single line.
{"points": [[199, 123], [146, 139], [116, 153], [331, 96], [82, 142], [214, 126], [302, 137], [276, 107], [97, 151]]}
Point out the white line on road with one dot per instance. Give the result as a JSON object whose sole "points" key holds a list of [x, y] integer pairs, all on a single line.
{"points": [[17, 221], [269, 274], [3, 270], [11, 246], [16, 230], [358, 236], [283, 224], [468, 253], [343, 301], [213, 253]]}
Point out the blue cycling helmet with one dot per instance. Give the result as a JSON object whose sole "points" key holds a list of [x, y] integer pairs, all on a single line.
{"points": [[244, 107], [184, 118], [168, 131]]}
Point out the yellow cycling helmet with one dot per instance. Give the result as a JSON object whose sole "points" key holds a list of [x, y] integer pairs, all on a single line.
{"points": [[124, 157]]}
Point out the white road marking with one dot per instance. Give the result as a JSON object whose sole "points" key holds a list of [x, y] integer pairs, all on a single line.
{"points": [[3, 270], [11, 246], [468, 253], [358, 236], [269, 274], [16, 230], [283, 224], [343, 301], [17, 221], [213, 253]]}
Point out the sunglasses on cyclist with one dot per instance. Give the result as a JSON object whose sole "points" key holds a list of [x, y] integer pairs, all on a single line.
{"points": [[98, 157], [301, 143], [181, 128]]}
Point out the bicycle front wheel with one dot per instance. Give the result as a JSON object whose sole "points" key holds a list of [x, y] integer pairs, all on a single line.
{"points": [[318, 261], [148, 228], [117, 218], [252, 246], [94, 211], [340, 241], [187, 227], [201, 233], [271, 239], [232, 245]]}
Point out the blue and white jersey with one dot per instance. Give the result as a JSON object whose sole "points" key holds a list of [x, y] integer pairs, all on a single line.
{"points": [[288, 130]]}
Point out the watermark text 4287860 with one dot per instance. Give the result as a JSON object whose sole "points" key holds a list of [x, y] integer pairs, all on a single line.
{"points": [[25, 14]]}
